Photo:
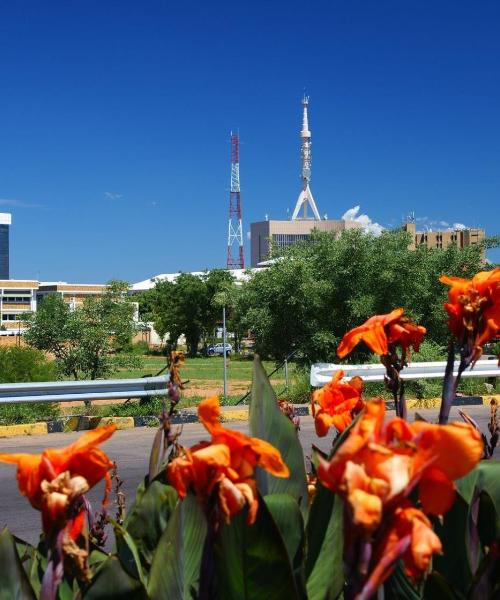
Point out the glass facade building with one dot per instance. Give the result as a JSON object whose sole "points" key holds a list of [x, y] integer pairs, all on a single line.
{"points": [[4, 248]]}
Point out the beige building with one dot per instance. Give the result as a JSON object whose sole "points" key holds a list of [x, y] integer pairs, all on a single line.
{"points": [[442, 239], [17, 299], [72, 293], [287, 233]]}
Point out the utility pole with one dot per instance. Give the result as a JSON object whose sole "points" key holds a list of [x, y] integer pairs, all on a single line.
{"points": [[224, 340]]}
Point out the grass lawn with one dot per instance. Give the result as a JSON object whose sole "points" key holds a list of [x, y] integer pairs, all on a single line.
{"points": [[204, 369]]}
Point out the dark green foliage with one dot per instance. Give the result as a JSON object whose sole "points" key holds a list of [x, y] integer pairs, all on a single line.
{"points": [[307, 301], [14, 584], [252, 562], [187, 306], [20, 364], [176, 565], [324, 535], [267, 422], [86, 341]]}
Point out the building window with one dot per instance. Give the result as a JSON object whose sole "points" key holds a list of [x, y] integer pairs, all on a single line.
{"points": [[16, 299], [284, 240], [12, 317]]}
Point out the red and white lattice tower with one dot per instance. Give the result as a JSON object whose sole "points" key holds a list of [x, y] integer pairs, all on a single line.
{"points": [[235, 228]]}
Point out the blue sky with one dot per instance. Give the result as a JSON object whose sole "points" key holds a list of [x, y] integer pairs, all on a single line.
{"points": [[115, 121]]}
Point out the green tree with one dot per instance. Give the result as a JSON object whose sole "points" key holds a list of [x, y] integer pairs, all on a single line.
{"points": [[186, 306], [319, 290], [87, 341], [19, 363]]}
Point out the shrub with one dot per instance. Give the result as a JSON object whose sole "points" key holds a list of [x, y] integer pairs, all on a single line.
{"points": [[20, 363]]}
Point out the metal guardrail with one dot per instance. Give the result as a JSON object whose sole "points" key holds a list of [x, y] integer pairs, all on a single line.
{"points": [[72, 391], [321, 373]]}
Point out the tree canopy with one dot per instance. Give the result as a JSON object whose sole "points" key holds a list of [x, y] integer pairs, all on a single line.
{"points": [[319, 290], [84, 340], [186, 306]]}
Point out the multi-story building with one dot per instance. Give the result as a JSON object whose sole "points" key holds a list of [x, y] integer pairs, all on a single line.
{"points": [[5, 222], [72, 293], [17, 300], [442, 239], [283, 234]]}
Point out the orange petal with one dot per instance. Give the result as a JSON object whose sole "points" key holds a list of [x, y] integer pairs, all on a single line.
{"points": [[436, 492], [366, 508], [424, 543], [209, 413], [28, 475], [60, 457], [341, 421], [322, 423], [455, 449], [269, 458]]}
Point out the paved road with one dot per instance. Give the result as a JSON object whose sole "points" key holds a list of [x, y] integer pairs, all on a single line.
{"points": [[131, 450]]}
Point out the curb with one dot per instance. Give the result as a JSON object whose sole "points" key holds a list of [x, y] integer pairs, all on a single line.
{"points": [[84, 423]]}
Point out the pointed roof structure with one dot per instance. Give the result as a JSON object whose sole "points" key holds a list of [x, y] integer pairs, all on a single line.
{"points": [[305, 198]]}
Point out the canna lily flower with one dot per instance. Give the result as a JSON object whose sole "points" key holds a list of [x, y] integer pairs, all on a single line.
{"points": [[381, 331], [335, 404], [224, 467], [473, 308], [409, 536], [380, 463], [383, 334], [54, 480]]}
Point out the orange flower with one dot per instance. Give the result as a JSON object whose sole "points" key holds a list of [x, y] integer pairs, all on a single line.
{"points": [[225, 465], [409, 536], [381, 331], [474, 307], [380, 463], [338, 402], [54, 479]]}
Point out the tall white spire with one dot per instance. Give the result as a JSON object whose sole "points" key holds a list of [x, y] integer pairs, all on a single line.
{"points": [[305, 197]]}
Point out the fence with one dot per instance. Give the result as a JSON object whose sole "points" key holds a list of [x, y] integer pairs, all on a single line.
{"points": [[84, 391], [321, 373]]}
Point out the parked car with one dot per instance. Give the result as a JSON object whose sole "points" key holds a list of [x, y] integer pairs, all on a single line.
{"points": [[218, 349]]}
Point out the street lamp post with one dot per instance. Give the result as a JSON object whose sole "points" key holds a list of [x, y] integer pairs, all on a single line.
{"points": [[224, 339]]}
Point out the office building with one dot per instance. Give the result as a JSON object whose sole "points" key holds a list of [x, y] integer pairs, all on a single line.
{"points": [[461, 237], [5, 222]]}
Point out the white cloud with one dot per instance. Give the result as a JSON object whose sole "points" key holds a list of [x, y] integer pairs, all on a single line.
{"points": [[368, 225], [18, 203], [113, 195], [428, 224]]}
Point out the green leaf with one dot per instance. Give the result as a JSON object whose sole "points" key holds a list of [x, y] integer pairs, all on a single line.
{"points": [[149, 516], [453, 564], [286, 514], [399, 586], [484, 478], [176, 564], [437, 588], [128, 553], [157, 449], [14, 584], [252, 561], [269, 423], [112, 581], [325, 546]]}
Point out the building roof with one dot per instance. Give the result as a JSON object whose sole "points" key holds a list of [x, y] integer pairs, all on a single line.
{"points": [[147, 284]]}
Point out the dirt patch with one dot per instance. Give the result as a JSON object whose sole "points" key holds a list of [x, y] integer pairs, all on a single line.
{"points": [[214, 387]]}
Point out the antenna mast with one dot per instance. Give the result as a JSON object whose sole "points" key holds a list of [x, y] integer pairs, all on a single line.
{"points": [[235, 228], [305, 197]]}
